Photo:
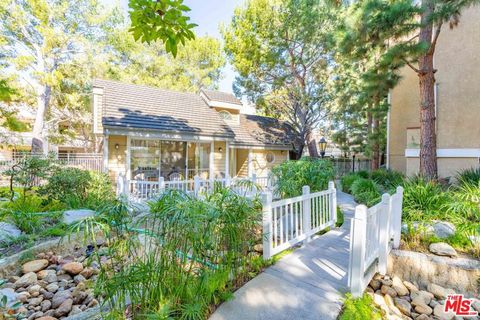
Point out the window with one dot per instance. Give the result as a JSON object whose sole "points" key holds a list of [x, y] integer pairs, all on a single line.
{"points": [[225, 115], [270, 157]]}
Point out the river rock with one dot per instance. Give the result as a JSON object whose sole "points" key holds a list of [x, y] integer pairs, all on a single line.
{"points": [[398, 285], [60, 297], [438, 291], [78, 278], [46, 305], [439, 311], [35, 265], [73, 268], [75, 310], [423, 309], [26, 280], [443, 229], [34, 289], [23, 296], [87, 272], [52, 287], [389, 291], [9, 231], [71, 216], [403, 306], [46, 318], [35, 301], [442, 249], [375, 284], [64, 308], [410, 286]]}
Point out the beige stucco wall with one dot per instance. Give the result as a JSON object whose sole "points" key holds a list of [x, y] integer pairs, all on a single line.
{"points": [[458, 99], [116, 157], [260, 165]]}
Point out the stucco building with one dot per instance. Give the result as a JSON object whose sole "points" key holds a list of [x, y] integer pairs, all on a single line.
{"points": [[457, 94]]}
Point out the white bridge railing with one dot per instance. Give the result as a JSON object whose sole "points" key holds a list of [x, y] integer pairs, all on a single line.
{"points": [[139, 191], [374, 232], [290, 221]]}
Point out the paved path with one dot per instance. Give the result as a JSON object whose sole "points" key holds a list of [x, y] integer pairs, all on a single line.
{"points": [[307, 284]]}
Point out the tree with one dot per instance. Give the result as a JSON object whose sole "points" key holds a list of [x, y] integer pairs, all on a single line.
{"points": [[42, 40], [281, 51], [164, 20]]}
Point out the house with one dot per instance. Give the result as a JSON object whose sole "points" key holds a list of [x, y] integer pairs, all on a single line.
{"points": [[150, 133], [457, 96]]}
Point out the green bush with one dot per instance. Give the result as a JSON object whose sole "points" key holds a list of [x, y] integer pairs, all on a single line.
{"points": [[426, 197], [363, 174], [291, 176], [469, 176], [365, 191], [360, 309], [347, 181], [78, 188], [193, 253], [388, 179]]}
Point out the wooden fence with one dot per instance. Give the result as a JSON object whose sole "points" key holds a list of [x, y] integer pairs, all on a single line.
{"points": [[290, 221], [374, 232]]}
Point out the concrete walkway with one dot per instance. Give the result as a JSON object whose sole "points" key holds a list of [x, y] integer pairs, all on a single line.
{"points": [[307, 284]]}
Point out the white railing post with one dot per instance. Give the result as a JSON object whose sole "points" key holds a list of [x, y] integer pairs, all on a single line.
{"points": [[161, 185], [307, 225], [358, 235], [120, 184], [384, 233], [397, 217], [196, 185], [267, 225], [227, 181], [333, 201]]}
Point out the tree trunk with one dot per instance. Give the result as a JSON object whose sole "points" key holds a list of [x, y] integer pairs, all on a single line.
{"points": [[426, 74], [43, 99], [376, 144], [311, 144]]}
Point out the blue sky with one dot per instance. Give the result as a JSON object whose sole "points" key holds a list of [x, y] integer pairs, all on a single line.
{"points": [[208, 14]]}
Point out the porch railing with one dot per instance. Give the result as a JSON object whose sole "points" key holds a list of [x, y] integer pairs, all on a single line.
{"points": [[141, 190]]}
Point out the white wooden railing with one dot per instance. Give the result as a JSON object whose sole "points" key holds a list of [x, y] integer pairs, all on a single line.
{"points": [[139, 191], [374, 232], [290, 221]]}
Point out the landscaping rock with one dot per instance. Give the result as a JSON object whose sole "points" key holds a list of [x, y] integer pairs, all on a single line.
{"points": [[75, 310], [46, 305], [398, 286], [438, 291], [73, 268], [443, 229], [60, 297], [410, 286], [46, 318], [52, 287], [423, 309], [403, 306], [88, 272], [26, 280], [9, 293], [442, 249], [439, 311], [9, 231], [71, 216], [375, 284], [386, 290], [34, 266], [64, 308]]}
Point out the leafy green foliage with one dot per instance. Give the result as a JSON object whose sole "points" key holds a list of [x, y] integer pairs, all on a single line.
{"points": [[388, 179], [78, 188], [187, 254], [360, 308], [424, 197], [366, 191], [164, 20], [469, 176], [291, 176], [347, 181]]}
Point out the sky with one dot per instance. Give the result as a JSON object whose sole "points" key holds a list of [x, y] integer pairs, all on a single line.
{"points": [[209, 14]]}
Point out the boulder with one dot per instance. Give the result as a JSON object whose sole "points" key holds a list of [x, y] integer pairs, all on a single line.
{"points": [[398, 286], [9, 231], [442, 249], [403, 306], [439, 311], [26, 280], [443, 229], [73, 268], [35, 265], [71, 216], [64, 308]]}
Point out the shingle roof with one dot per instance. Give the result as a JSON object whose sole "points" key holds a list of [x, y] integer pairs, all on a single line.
{"points": [[142, 107], [262, 131], [221, 96], [133, 106]]}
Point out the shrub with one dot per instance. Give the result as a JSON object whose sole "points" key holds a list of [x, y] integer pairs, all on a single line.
{"points": [[362, 185], [291, 176], [78, 188], [347, 181], [469, 176], [363, 174], [360, 308], [421, 195], [192, 255], [389, 179]]}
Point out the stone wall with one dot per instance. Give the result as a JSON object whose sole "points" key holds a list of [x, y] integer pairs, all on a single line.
{"points": [[461, 274]]}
